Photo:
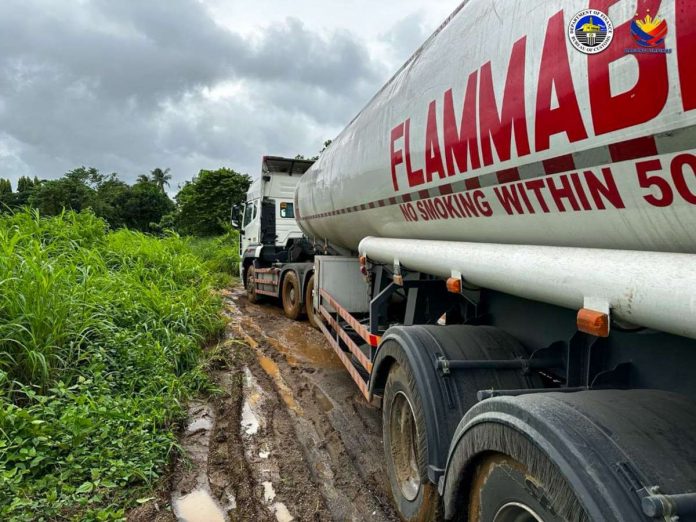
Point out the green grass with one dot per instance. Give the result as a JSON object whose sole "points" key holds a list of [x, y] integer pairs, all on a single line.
{"points": [[220, 254], [100, 347]]}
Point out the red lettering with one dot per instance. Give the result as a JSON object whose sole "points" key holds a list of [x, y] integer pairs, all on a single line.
{"points": [[580, 191], [686, 50], [457, 199], [433, 157], [536, 185], [608, 190], [421, 209], [677, 168], [415, 177], [554, 74], [509, 198], [460, 143], [468, 204], [447, 200], [396, 155], [482, 204], [564, 192], [440, 209], [645, 181], [404, 211], [523, 195], [646, 98], [512, 115], [430, 208]]}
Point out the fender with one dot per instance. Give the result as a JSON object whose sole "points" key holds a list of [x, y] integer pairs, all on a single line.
{"points": [[446, 398], [601, 441]]}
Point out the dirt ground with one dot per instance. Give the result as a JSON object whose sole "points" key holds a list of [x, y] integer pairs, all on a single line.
{"points": [[289, 438]]}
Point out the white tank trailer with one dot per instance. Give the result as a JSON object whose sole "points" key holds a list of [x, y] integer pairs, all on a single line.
{"points": [[501, 248]]}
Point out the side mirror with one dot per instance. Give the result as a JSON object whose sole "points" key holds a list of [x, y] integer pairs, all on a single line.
{"points": [[235, 215]]}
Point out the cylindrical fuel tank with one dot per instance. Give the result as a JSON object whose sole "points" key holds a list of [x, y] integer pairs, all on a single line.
{"points": [[537, 122]]}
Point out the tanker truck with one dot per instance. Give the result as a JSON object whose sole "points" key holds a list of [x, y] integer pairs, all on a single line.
{"points": [[501, 249]]}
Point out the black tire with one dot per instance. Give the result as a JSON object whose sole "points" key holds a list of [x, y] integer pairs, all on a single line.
{"points": [[252, 296], [312, 317], [404, 435], [291, 296], [525, 488]]}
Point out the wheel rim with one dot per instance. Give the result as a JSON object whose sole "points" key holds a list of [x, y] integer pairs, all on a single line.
{"points": [[292, 295], [516, 512], [403, 434]]}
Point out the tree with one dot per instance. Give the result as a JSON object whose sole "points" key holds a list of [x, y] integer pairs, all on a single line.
{"points": [[144, 206], [204, 203], [6, 195], [72, 191], [143, 178], [110, 199], [160, 178]]}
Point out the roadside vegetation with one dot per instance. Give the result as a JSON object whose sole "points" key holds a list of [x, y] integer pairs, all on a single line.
{"points": [[101, 342]]}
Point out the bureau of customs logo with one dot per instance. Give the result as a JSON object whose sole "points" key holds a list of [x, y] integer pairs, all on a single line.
{"points": [[649, 31], [590, 31]]}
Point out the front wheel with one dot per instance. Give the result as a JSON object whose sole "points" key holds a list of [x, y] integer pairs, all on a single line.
{"points": [[404, 435]]}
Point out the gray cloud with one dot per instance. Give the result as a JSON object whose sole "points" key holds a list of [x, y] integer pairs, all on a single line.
{"points": [[126, 86]]}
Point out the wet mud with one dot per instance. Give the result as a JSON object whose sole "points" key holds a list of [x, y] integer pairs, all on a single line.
{"points": [[289, 437]]}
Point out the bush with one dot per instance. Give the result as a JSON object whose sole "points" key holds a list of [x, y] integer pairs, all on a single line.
{"points": [[100, 346], [220, 255]]}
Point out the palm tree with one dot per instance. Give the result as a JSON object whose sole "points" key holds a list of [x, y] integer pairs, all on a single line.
{"points": [[143, 178], [160, 177]]}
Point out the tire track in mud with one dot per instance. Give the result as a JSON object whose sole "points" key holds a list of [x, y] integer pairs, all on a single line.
{"points": [[288, 437], [338, 432]]}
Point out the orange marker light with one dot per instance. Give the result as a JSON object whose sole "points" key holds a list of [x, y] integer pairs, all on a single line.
{"points": [[454, 285], [362, 260], [593, 322]]}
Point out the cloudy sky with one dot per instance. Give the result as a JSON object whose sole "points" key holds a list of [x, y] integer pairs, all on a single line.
{"points": [[129, 85]]}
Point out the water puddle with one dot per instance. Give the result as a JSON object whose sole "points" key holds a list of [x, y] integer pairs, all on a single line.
{"points": [[198, 506], [271, 368], [250, 422], [251, 412], [203, 423], [279, 509], [281, 512], [268, 492]]}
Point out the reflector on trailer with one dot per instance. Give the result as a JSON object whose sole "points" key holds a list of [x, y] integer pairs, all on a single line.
{"points": [[593, 322], [454, 285]]}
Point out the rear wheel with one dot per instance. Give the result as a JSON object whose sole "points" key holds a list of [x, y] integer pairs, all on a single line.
{"points": [[403, 425], [252, 296], [291, 296], [312, 316], [505, 490]]}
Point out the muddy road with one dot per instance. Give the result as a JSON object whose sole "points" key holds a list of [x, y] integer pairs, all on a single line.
{"points": [[289, 438]]}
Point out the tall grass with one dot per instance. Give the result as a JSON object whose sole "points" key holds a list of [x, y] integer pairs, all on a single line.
{"points": [[100, 345]]}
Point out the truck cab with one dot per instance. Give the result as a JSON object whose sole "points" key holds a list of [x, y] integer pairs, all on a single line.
{"points": [[267, 225]]}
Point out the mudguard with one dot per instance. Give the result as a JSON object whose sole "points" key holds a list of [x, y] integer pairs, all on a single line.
{"points": [[446, 397]]}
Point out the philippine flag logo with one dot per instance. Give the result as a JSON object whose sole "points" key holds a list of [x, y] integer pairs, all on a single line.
{"points": [[649, 32]]}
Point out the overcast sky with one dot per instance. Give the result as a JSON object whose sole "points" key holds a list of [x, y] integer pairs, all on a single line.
{"points": [[130, 85]]}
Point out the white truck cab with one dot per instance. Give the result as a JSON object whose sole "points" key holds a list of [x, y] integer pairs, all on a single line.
{"points": [[267, 219]]}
